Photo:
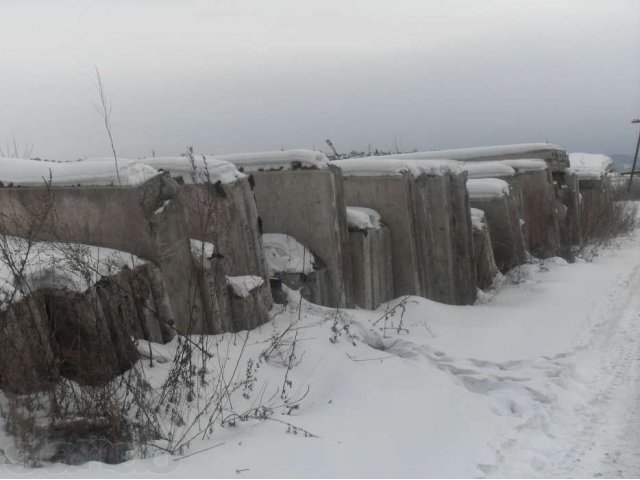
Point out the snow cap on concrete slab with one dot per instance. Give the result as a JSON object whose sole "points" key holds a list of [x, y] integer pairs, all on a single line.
{"points": [[379, 166], [205, 168], [478, 219], [243, 285], [277, 160], [99, 172], [488, 170], [523, 165], [361, 218], [590, 165], [487, 188], [284, 254], [472, 153]]}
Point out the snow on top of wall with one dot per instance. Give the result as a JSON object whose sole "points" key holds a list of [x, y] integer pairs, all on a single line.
{"points": [[488, 170], [590, 165], [383, 166], [34, 173], [70, 266], [526, 164], [284, 254], [277, 160], [480, 152], [487, 188], [205, 168], [362, 218], [243, 285], [478, 219]]}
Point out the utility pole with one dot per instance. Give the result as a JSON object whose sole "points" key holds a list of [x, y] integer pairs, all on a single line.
{"points": [[330, 143], [635, 157]]}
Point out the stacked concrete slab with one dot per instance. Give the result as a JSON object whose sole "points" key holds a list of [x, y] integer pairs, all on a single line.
{"points": [[493, 197], [425, 206], [299, 194], [220, 209], [543, 212], [370, 245], [485, 263], [593, 174]]}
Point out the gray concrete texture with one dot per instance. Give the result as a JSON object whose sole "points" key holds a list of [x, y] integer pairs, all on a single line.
{"points": [[431, 238], [485, 263], [391, 197], [597, 206], [308, 204], [571, 226], [509, 248], [371, 266]]}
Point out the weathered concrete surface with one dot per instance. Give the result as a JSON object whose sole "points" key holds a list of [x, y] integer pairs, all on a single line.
{"points": [[225, 214], [372, 266], [503, 220], [308, 204], [445, 253], [571, 226], [597, 206], [84, 336], [148, 221], [391, 197], [542, 216], [485, 264]]}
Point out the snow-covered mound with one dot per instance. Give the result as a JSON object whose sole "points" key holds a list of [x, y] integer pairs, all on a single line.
{"points": [[284, 254], [383, 166], [205, 168], [276, 160], [34, 173], [526, 164], [488, 170], [74, 267], [362, 218], [590, 165], [487, 188]]}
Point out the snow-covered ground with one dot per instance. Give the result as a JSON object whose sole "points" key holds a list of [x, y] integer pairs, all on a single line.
{"points": [[541, 378]]}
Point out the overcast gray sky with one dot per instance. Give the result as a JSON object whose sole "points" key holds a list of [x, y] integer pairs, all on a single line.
{"points": [[234, 76]]}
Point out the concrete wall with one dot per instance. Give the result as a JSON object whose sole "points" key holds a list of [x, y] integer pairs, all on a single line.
{"points": [[441, 209], [371, 266], [308, 205], [391, 197], [431, 238], [485, 264], [571, 226], [597, 206], [541, 215], [503, 220]]}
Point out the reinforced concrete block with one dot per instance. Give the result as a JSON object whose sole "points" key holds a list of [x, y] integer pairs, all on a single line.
{"points": [[308, 205], [493, 198], [485, 264], [370, 246]]}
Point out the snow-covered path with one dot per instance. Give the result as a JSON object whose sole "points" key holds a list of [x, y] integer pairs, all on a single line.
{"points": [[593, 428]]}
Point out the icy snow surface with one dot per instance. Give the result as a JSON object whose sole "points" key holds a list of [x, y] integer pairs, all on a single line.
{"points": [[242, 285], [277, 160], [485, 188], [590, 165], [363, 218], [284, 254], [34, 173]]}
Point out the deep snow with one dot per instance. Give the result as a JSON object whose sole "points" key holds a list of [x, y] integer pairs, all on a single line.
{"points": [[541, 378]]}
